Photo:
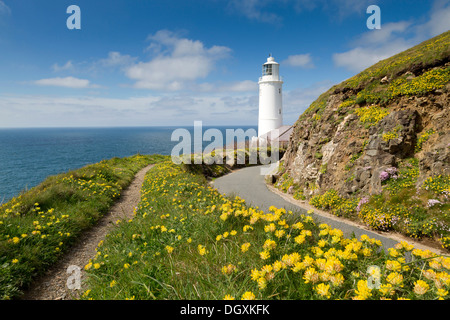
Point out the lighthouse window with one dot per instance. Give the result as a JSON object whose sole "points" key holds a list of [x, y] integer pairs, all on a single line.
{"points": [[279, 111], [267, 70]]}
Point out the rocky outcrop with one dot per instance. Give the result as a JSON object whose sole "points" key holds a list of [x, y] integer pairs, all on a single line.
{"points": [[340, 152]]}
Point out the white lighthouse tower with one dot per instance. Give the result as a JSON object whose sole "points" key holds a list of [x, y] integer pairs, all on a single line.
{"points": [[270, 103]]}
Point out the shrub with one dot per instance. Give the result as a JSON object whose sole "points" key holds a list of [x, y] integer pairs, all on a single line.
{"points": [[371, 115]]}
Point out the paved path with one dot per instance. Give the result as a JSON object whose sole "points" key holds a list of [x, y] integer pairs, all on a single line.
{"points": [[249, 184]]}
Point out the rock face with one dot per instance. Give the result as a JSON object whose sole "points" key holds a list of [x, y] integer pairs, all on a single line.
{"points": [[338, 151]]}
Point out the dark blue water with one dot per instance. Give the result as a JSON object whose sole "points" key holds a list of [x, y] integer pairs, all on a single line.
{"points": [[28, 156]]}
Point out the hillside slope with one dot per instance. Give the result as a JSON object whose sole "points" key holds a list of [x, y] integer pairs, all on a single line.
{"points": [[376, 148]]}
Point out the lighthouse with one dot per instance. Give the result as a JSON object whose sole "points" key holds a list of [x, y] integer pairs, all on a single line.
{"points": [[270, 93]]}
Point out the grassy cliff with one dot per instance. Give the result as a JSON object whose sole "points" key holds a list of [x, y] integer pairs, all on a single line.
{"points": [[38, 226], [375, 148]]}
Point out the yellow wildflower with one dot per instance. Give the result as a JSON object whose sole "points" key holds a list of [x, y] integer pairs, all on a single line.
{"points": [[337, 279], [299, 239], [323, 290], [386, 289], [262, 283], [255, 274], [279, 233], [201, 250], [245, 246], [421, 287], [394, 278], [393, 265], [442, 292], [311, 275], [269, 244], [169, 249], [228, 269], [264, 254], [270, 228], [363, 291], [248, 296]]}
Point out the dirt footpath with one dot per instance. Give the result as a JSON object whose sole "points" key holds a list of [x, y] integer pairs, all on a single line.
{"points": [[53, 285]]}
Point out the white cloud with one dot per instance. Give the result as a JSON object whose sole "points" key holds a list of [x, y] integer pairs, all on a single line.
{"points": [[361, 58], [395, 37], [115, 59], [439, 21], [241, 86], [174, 110], [259, 10], [375, 45], [296, 101], [181, 63], [299, 60], [4, 9], [254, 10], [231, 87], [67, 66], [388, 32], [67, 82]]}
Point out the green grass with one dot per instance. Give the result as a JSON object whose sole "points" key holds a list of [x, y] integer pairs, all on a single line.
{"points": [[371, 91], [38, 226], [424, 54], [187, 241], [400, 207], [403, 205]]}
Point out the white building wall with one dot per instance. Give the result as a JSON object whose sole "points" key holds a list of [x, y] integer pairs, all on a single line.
{"points": [[270, 100]]}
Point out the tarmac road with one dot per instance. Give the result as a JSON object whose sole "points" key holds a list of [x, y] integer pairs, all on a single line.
{"points": [[249, 184]]}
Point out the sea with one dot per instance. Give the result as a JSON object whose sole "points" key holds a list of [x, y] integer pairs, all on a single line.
{"points": [[28, 156]]}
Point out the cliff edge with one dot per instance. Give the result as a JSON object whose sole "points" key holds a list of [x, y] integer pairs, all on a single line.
{"points": [[376, 147]]}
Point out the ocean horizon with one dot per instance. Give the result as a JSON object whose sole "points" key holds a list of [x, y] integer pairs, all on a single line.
{"points": [[29, 155]]}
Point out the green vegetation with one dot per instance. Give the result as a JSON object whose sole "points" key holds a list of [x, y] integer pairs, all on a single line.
{"points": [[400, 207], [187, 241], [403, 205], [391, 134], [38, 226], [423, 138], [317, 106], [347, 103], [371, 115], [424, 54], [335, 204], [370, 90], [428, 81]]}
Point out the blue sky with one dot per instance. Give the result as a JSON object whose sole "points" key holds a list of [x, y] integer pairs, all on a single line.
{"points": [[171, 62]]}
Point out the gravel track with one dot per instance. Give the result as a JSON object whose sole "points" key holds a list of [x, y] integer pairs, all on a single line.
{"points": [[53, 285]]}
